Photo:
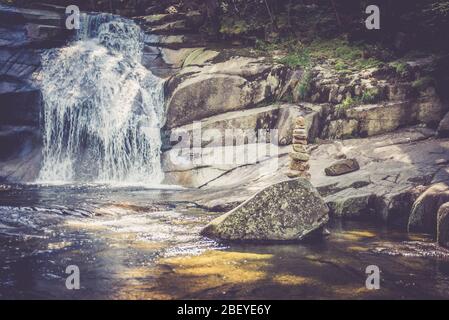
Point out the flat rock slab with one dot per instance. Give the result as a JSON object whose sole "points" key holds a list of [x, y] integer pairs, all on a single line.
{"points": [[285, 211]]}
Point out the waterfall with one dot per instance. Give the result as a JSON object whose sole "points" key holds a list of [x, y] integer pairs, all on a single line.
{"points": [[103, 110]]}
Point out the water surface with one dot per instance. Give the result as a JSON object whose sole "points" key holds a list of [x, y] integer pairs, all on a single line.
{"points": [[138, 243]]}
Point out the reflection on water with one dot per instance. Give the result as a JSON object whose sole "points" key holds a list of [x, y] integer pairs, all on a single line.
{"points": [[136, 243]]}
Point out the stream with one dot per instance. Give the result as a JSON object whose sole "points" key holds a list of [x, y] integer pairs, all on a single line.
{"points": [[140, 243]]}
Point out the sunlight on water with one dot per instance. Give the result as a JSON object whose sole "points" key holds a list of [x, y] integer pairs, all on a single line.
{"points": [[103, 110]]}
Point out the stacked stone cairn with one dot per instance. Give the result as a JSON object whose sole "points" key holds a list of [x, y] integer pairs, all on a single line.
{"points": [[299, 164]]}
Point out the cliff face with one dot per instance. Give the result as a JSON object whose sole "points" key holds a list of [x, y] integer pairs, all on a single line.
{"points": [[24, 33]]}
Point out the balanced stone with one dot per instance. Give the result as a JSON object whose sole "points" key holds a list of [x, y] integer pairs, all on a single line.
{"points": [[293, 174], [299, 148], [299, 141], [299, 156], [300, 122], [299, 166], [300, 131]]}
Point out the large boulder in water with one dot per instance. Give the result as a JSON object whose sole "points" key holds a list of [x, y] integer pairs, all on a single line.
{"points": [[289, 210]]}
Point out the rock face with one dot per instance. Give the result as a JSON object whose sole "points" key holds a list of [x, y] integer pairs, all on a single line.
{"points": [[375, 101], [289, 210], [443, 225], [197, 92], [24, 34], [342, 167], [424, 212]]}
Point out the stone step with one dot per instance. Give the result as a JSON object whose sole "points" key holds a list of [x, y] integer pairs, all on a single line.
{"points": [[173, 28], [175, 41], [191, 19]]}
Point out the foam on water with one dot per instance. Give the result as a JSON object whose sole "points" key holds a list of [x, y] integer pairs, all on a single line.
{"points": [[103, 110]]}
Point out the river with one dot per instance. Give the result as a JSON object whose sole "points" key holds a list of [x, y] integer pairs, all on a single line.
{"points": [[139, 243]]}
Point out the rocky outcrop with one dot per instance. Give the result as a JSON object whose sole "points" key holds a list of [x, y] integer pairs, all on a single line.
{"points": [[197, 92], [375, 100], [342, 167], [247, 128], [394, 170], [443, 225], [290, 210], [24, 33], [423, 217]]}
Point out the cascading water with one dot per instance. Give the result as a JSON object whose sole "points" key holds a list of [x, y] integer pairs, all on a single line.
{"points": [[103, 110]]}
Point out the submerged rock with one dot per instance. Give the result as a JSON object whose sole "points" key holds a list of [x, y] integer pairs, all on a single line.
{"points": [[289, 210]]}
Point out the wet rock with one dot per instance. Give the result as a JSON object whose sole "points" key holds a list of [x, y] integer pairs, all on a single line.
{"points": [[354, 206], [441, 162], [413, 249], [342, 167], [21, 106], [443, 127], [290, 210], [443, 225], [424, 212]]}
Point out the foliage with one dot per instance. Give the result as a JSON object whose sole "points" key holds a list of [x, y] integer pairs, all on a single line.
{"points": [[297, 59], [347, 56], [400, 67], [423, 83], [348, 102], [370, 95], [305, 85]]}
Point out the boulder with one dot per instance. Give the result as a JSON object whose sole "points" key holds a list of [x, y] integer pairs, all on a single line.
{"points": [[443, 225], [424, 211], [289, 210], [235, 84], [443, 127], [342, 167]]}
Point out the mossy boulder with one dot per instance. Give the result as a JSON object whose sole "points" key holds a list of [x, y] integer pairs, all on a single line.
{"points": [[289, 210], [424, 211]]}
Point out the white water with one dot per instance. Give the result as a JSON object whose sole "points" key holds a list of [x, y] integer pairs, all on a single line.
{"points": [[103, 110]]}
